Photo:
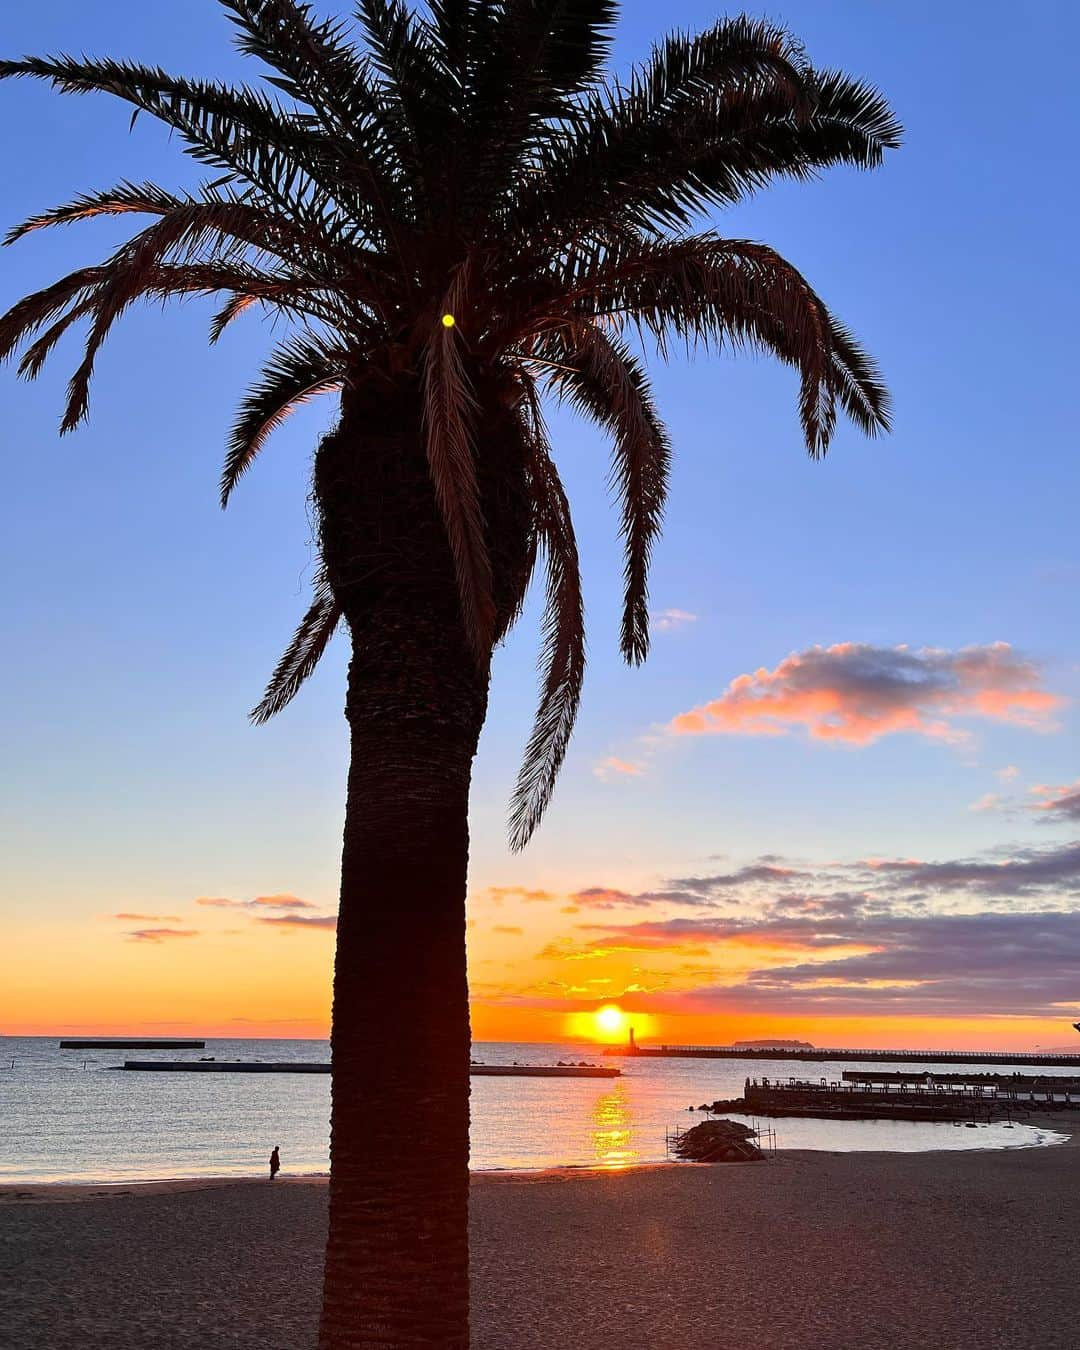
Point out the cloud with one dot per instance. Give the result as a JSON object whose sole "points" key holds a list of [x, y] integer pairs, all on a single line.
{"points": [[603, 897], [770, 873], [530, 897], [299, 920], [1059, 805], [867, 961], [281, 901], [147, 918], [621, 768], [671, 620], [1027, 872], [857, 693], [1006, 774], [509, 929], [989, 801], [160, 934]]}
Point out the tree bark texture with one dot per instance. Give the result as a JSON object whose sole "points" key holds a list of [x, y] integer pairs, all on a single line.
{"points": [[397, 1253]]}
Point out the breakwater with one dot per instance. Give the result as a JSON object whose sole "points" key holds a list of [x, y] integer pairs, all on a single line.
{"points": [[297, 1066], [132, 1045], [932, 1102], [815, 1055]]}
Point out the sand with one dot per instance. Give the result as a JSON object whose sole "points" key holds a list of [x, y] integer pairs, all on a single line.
{"points": [[812, 1251]]}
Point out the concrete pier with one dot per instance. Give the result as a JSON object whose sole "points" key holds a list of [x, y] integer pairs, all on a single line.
{"points": [[285, 1066]]}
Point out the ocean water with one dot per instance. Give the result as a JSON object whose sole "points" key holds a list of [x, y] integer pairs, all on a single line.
{"points": [[65, 1117]]}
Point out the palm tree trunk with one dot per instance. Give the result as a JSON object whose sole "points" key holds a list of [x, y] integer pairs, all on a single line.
{"points": [[397, 1272], [397, 1253]]}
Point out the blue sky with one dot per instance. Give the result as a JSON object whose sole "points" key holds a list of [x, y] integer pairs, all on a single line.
{"points": [[141, 622]]}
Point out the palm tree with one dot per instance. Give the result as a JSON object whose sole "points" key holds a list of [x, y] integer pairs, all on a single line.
{"points": [[458, 214]]}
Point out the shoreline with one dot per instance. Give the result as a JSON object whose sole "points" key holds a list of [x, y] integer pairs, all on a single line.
{"points": [[67, 1191]]}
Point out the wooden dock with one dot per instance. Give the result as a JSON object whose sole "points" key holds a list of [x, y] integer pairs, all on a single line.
{"points": [[1003, 1082], [288, 1066], [907, 1102]]}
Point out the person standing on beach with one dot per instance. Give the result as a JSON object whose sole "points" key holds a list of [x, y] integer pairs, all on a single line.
{"points": [[275, 1163]]}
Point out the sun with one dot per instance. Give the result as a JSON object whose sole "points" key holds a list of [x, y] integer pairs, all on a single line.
{"points": [[610, 1020]]}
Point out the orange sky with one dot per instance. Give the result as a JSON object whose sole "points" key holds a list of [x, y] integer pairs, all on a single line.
{"points": [[532, 980]]}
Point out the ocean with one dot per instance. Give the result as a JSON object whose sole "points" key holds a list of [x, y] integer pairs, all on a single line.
{"points": [[65, 1117]]}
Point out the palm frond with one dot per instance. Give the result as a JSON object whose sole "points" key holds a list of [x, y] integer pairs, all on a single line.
{"points": [[563, 645], [297, 371], [131, 273], [708, 120], [600, 376], [230, 310], [315, 62], [141, 198], [35, 356], [32, 312], [238, 130], [725, 293], [303, 653], [319, 67], [449, 426], [534, 58], [422, 107]]}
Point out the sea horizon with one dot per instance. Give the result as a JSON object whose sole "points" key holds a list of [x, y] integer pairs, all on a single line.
{"points": [[70, 1117]]}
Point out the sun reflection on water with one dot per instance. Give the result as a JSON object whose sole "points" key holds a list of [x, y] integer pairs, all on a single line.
{"points": [[612, 1130]]}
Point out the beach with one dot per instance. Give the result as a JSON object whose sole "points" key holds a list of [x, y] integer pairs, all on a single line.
{"points": [[810, 1250]]}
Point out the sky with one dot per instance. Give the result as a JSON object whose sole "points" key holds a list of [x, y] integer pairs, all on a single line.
{"points": [[841, 801]]}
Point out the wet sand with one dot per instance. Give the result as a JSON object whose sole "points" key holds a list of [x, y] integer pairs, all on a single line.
{"points": [[813, 1251]]}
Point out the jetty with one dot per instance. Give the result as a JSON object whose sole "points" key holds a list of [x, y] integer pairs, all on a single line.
{"points": [[286, 1066], [133, 1045], [831, 1056], [923, 1101], [1003, 1082]]}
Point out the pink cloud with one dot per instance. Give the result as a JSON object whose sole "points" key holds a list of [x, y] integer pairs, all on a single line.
{"points": [[858, 693], [1061, 804], [614, 765], [160, 934]]}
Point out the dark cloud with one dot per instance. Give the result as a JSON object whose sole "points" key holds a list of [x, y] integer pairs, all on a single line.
{"points": [[767, 872], [1028, 871]]}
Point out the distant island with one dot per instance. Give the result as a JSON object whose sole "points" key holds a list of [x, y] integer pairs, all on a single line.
{"points": [[772, 1045]]}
